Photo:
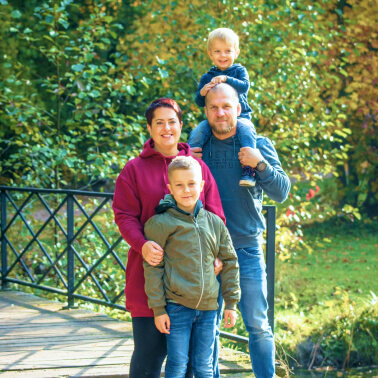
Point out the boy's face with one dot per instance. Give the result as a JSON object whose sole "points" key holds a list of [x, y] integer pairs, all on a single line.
{"points": [[186, 186], [222, 54]]}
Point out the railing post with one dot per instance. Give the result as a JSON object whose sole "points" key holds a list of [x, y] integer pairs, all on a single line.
{"points": [[70, 254], [4, 255], [270, 261]]}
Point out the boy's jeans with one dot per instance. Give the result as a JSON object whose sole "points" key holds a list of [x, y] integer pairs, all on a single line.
{"points": [[193, 327], [254, 309], [245, 131]]}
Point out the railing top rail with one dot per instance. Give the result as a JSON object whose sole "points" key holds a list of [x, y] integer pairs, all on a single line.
{"points": [[57, 191], [75, 192]]}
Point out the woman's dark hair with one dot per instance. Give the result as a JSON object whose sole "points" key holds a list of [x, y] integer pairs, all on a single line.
{"points": [[162, 103]]}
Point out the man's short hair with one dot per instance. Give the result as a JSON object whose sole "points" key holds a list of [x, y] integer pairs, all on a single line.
{"points": [[224, 34], [183, 163], [224, 87]]}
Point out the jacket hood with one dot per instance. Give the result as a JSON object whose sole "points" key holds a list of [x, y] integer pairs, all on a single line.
{"points": [[149, 151], [216, 70], [168, 202]]}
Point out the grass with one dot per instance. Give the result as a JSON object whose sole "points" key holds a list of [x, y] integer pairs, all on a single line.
{"points": [[321, 297], [314, 288]]}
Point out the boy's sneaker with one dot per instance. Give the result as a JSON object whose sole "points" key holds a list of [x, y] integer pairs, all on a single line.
{"points": [[248, 177]]}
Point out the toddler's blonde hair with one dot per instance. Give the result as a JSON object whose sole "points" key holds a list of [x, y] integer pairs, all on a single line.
{"points": [[224, 34]]}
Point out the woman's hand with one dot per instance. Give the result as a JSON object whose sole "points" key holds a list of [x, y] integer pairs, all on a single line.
{"points": [[218, 266], [196, 152], [152, 252], [163, 323]]}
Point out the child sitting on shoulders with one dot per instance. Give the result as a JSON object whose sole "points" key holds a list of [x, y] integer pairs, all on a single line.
{"points": [[223, 49], [182, 290]]}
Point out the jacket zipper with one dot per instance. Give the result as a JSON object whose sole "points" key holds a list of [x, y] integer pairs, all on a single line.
{"points": [[200, 248]]}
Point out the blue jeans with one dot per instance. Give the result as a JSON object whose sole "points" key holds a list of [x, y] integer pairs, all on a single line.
{"points": [[245, 131], [253, 306], [197, 329]]}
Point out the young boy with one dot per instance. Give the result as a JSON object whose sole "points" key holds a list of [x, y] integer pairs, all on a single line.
{"points": [[182, 290], [223, 49]]}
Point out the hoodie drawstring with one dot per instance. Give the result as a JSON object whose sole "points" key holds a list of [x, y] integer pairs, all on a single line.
{"points": [[165, 177], [233, 139]]}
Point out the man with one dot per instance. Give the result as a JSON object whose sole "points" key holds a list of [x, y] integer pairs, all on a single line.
{"points": [[242, 207]]}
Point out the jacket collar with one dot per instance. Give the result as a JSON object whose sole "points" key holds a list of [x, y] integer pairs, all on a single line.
{"points": [[170, 203]]}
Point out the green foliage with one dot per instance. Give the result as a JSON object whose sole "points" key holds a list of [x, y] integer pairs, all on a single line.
{"points": [[352, 58], [351, 339], [326, 309], [77, 77], [64, 115], [326, 302]]}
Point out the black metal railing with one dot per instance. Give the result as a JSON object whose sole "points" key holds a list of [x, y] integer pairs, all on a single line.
{"points": [[54, 240]]}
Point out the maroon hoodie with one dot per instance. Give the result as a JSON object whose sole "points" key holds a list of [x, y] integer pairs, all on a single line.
{"points": [[139, 188]]}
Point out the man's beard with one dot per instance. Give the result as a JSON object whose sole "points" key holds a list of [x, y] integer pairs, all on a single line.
{"points": [[222, 130]]}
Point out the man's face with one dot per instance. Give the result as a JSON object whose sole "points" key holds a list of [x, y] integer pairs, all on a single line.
{"points": [[222, 109]]}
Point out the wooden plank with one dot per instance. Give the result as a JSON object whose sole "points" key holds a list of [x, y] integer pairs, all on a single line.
{"points": [[83, 372], [51, 342], [108, 328], [72, 324], [93, 346]]}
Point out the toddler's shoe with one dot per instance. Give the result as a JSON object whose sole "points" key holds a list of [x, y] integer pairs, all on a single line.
{"points": [[248, 177]]}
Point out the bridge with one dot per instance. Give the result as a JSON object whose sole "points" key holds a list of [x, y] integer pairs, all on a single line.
{"points": [[64, 243]]}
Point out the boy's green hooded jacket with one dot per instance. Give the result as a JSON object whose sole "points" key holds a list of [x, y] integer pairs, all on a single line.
{"points": [[190, 243]]}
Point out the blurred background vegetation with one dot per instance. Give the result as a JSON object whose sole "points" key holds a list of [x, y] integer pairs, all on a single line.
{"points": [[77, 76]]}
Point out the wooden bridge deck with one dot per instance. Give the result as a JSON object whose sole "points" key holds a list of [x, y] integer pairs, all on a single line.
{"points": [[39, 339]]}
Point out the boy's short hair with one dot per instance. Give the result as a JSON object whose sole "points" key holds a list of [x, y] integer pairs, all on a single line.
{"points": [[225, 35], [183, 163]]}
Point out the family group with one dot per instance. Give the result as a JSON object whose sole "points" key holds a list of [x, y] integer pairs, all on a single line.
{"points": [[192, 216]]}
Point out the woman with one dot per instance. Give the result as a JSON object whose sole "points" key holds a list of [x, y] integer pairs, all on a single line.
{"points": [[139, 188]]}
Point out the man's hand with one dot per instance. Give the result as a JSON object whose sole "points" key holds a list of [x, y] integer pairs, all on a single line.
{"points": [[250, 156], [196, 152], [152, 252], [206, 89], [163, 323], [218, 266], [229, 318], [219, 79]]}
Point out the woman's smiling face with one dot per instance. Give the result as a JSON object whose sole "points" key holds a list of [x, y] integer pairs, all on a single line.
{"points": [[165, 130]]}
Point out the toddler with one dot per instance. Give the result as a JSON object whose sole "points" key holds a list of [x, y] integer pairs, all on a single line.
{"points": [[223, 49]]}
